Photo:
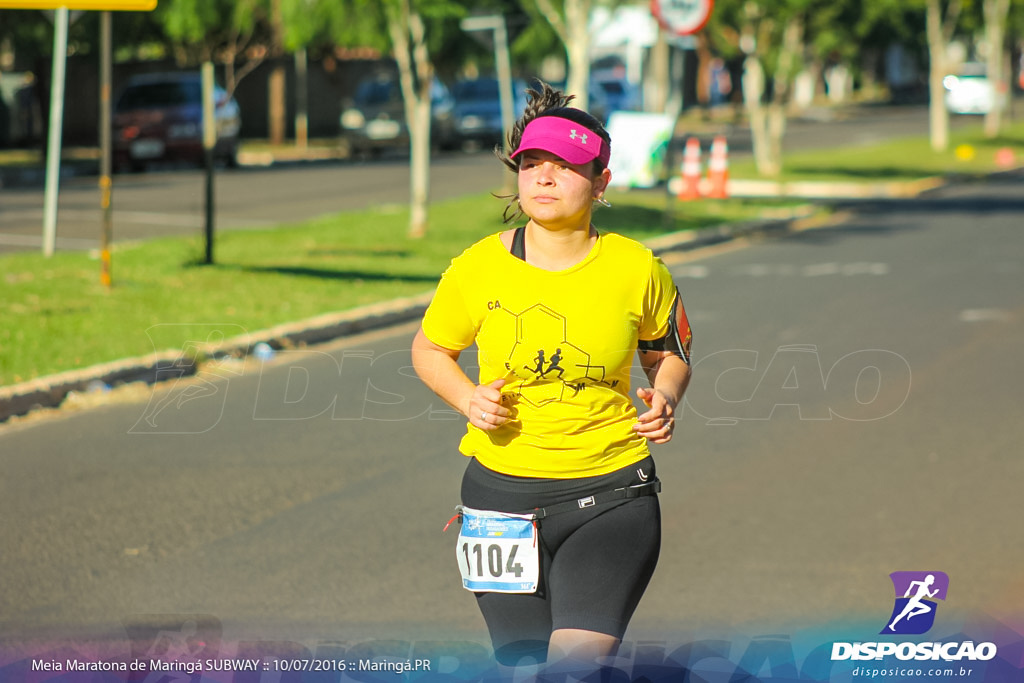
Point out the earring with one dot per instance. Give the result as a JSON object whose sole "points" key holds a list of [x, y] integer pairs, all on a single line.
{"points": [[603, 202]]}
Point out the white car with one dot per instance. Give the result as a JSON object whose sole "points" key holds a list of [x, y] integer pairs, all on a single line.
{"points": [[971, 92]]}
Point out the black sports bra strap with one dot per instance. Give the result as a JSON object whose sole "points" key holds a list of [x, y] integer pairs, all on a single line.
{"points": [[519, 243]]}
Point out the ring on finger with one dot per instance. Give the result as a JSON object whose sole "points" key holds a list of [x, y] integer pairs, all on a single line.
{"points": [[483, 416]]}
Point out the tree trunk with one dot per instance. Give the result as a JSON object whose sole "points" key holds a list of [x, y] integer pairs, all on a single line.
{"points": [[572, 27], [277, 105], [704, 58], [937, 42], [996, 13], [416, 75], [768, 124], [776, 131], [577, 48], [301, 99], [656, 85], [420, 167], [868, 71], [753, 96]]}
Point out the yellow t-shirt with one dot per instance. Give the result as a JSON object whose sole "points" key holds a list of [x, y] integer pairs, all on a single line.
{"points": [[564, 342]]}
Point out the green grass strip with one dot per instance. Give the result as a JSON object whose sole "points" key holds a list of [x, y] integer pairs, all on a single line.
{"points": [[57, 316], [970, 153]]}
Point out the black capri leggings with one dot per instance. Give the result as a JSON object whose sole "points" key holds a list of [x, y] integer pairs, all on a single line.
{"points": [[595, 562]]}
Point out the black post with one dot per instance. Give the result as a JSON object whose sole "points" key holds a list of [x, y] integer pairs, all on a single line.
{"points": [[209, 206], [209, 142]]}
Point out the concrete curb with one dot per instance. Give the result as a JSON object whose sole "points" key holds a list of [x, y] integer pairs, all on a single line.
{"points": [[34, 176], [51, 391], [809, 189], [833, 189], [256, 158]]}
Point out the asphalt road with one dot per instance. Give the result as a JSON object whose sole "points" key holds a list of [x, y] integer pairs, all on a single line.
{"points": [[171, 201], [855, 411]]}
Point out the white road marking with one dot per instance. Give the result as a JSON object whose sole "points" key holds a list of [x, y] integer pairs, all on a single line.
{"points": [[37, 241], [979, 315], [866, 269], [189, 220], [813, 270], [821, 269], [695, 272]]}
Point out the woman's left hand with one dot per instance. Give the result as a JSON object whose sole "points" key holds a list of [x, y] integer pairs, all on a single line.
{"points": [[657, 424]]}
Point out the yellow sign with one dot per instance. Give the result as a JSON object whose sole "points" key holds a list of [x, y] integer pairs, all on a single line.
{"points": [[105, 5]]}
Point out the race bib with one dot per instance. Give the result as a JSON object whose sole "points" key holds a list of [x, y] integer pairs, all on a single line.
{"points": [[498, 552]]}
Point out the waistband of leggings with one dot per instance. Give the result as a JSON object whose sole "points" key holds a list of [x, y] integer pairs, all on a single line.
{"points": [[638, 472]]}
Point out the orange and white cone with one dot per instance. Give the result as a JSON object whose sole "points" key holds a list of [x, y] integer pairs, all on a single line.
{"points": [[690, 188], [718, 168]]}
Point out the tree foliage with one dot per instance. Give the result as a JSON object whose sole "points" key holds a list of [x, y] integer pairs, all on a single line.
{"points": [[775, 38], [570, 20], [237, 34], [415, 32]]}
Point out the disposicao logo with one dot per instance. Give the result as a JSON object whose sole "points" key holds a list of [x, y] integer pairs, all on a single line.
{"points": [[916, 593], [913, 614]]}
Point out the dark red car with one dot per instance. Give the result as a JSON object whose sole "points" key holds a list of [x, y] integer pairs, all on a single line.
{"points": [[159, 117]]}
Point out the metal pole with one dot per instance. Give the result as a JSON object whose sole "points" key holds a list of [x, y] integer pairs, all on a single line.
{"points": [[209, 142], [301, 99], [106, 182], [60, 53], [496, 23], [504, 66]]}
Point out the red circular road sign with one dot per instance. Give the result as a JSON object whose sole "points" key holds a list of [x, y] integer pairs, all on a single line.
{"points": [[682, 17]]}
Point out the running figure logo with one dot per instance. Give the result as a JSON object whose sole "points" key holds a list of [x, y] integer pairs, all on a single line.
{"points": [[544, 366], [914, 612], [553, 364]]}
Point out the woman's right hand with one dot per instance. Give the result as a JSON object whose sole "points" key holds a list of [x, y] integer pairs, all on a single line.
{"points": [[485, 408]]}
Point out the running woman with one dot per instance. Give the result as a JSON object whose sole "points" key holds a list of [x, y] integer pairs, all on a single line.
{"points": [[557, 310]]}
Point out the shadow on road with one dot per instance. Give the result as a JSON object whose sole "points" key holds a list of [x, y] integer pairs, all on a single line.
{"points": [[326, 274], [945, 205], [871, 173]]}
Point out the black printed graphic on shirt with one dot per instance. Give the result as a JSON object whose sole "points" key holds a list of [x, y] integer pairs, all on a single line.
{"points": [[546, 364]]}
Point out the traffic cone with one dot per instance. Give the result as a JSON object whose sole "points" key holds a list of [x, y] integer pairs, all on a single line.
{"points": [[689, 189], [718, 168]]}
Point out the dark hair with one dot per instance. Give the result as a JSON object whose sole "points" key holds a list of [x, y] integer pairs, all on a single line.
{"points": [[549, 102], [546, 101]]}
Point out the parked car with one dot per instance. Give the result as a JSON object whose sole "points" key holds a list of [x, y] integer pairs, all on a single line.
{"points": [[374, 119], [969, 91], [598, 106], [159, 117], [476, 117], [619, 93]]}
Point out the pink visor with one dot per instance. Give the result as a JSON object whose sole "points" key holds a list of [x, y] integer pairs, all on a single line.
{"points": [[565, 139]]}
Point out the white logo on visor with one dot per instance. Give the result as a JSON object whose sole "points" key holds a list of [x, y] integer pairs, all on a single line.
{"points": [[574, 136]]}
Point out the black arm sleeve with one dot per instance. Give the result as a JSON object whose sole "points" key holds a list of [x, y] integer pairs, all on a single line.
{"points": [[678, 338]]}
